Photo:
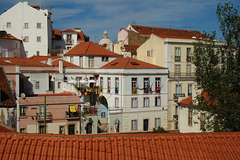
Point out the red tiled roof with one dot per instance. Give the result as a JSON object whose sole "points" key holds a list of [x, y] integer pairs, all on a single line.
{"points": [[65, 93], [90, 49], [44, 58], [57, 32], [167, 33], [198, 146], [65, 64], [23, 62], [69, 30], [128, 63], [186, 101], [4, 129], [7, 99], [10, 37], [81, 36]]}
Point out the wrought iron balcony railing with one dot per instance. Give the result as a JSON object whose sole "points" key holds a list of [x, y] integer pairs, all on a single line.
{"points": [[176, 95], [72, 115], [182, 75], [40, 116]]}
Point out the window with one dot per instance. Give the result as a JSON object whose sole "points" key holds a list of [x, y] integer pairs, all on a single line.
{"points": [[188, 70], [134, 102], [41, 128], [189, 90], [177, 54], [157, 122], [26, 25], [134, 85], [202, 120], [81, 61], [157, 84], [177, 70], [108, 85], [188, 54], [101, 84], [104, 59], [37, 53], [59, 84], [22, 111], [116, 102], [149, 53], [146, 102], [103, 115], [134, 125], [37, 85], [38, 25], [116, 85], [15, 45], [26, 39], [146, 85], [38, 38], [22, 130], [71, 60], [178, 90], [157, 101], [69, 39], [61, 129], [190, 114], [90, 62], [68, 48], [9, 25]]}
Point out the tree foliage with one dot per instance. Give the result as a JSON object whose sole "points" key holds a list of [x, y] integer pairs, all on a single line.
{"points": [[218, 72]]}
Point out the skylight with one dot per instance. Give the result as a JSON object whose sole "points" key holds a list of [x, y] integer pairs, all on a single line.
{"points": [[114, 64], [134, 63]]}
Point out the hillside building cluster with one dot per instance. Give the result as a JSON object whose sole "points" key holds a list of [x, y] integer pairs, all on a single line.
{"points": [[59, 82]]}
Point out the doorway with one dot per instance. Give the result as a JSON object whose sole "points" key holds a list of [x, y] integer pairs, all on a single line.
{"points": [[71, 129], [89, 128]]}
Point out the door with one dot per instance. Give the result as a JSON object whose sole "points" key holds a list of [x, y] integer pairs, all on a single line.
{"points": [[71, 129], [145, 124], [89, 128]]}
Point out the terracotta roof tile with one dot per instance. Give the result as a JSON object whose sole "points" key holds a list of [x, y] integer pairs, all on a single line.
{"points": [[167, 32], [69, 30], [65, 64], [121, 146], [120, 63], [44, 58], [90, 49], [10, 37], [24, 62]]}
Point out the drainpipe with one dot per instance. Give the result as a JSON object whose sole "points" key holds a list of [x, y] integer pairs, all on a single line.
{"points": [[44, 114]]}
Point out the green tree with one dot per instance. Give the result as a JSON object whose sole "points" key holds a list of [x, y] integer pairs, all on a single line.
{"points": [[218, 72]]}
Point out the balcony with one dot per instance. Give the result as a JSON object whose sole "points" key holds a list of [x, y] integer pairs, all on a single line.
{"points": [[175, 96], [68, 41], [134, 90], [72, 115], [182, 75], [40, 116], [177, 58], [90, 91]]}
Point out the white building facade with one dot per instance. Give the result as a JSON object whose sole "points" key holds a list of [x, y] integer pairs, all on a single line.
{"points": [[30, 24]]}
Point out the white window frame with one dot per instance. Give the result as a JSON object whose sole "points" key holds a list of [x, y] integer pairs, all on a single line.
{"points": [[26, 26], [134, 125], [116, 102], [134, 102], [38, 38], [9, 25], [146, 102], [37, 85], [157, 122], [39, 25], [158, 101], [90, 62]]}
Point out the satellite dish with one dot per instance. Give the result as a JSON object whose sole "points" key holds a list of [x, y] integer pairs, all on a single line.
{"points": [[23, 95]]}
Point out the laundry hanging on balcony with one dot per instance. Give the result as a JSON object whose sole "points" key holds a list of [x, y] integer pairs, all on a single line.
{"points": [[72, 108]]}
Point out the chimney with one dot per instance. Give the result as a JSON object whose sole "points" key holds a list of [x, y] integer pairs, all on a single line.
{"points": [[60, 66], [78, 29]]}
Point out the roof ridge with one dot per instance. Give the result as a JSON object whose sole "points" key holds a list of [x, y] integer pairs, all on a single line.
{"points": [[88, 47]]}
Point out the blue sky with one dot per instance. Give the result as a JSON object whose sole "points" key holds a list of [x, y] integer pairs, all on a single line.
{"points": [[93, 16]]}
